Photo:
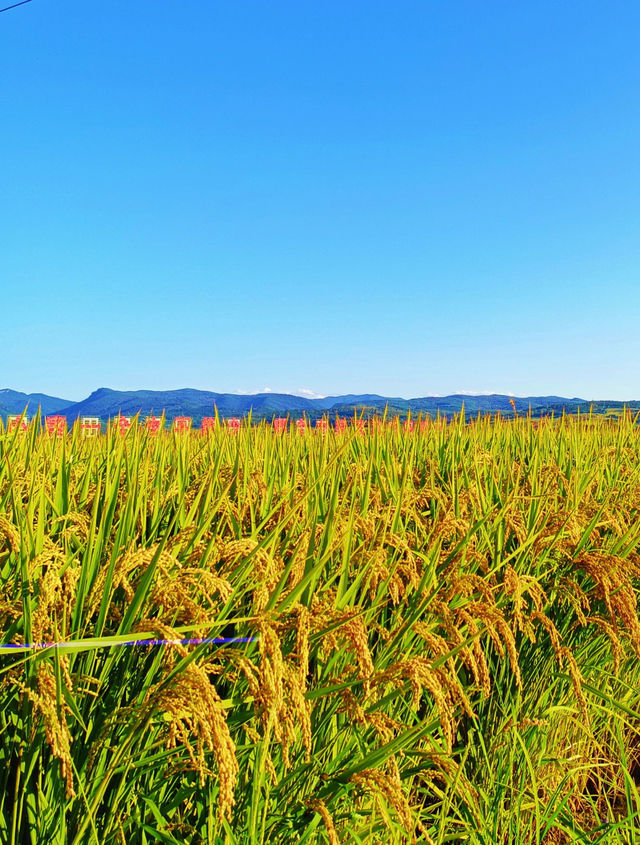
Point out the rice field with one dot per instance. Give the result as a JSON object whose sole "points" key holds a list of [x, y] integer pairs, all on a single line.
{"points": [[438, 634]]}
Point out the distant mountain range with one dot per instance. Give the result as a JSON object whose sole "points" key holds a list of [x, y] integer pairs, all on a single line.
{"points": [[14, 402], [105, 403]]}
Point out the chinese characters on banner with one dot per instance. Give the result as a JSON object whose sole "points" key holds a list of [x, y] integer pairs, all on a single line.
{"points": [[123, 425], [341, 425], [16, 421], [154, 425], [92, 426], [55, 425], [182, 424]]}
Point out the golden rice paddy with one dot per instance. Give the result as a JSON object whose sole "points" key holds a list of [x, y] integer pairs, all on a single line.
{"points": [[442, 625]]}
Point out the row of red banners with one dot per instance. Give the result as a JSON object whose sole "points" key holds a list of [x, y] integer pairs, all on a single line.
{"points": [[91, 426]]}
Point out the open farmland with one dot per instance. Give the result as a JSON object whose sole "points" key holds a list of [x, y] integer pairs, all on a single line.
{"points": [[443, 624]]}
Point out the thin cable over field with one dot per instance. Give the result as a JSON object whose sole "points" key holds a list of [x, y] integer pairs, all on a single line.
{"points": [[80, 643], [15, 5]]}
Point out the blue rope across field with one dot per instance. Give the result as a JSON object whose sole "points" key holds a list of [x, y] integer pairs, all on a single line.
{"points": [[80, 643]]}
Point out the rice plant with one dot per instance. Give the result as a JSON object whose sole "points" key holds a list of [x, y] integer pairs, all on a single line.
{"points": [[442, 625]]}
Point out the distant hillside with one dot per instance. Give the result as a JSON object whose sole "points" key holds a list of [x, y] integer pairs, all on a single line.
{"points": [[491, 402], [198, 403], [186, 402], [14, 402], [356, 399], [201, 403], [105, 403]]}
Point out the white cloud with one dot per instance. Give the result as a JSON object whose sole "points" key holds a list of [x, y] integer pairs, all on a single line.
{"points": [[481, 393], [302, 391], [309, 394]]}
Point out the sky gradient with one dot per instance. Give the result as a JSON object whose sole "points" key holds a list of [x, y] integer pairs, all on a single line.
{"points": [[403, 198]]}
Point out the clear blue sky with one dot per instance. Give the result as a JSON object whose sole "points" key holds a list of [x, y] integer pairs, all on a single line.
{"points": [[406, 198]]}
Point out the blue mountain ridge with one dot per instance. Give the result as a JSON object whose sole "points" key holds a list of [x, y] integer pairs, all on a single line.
{"points": [[105, 403], [15, 402]]}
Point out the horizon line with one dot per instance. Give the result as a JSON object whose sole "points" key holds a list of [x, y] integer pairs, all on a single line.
{"points": [[318, 397]]}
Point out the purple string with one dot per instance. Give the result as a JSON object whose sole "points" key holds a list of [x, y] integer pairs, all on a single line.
{"points": [[73, 644]]}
